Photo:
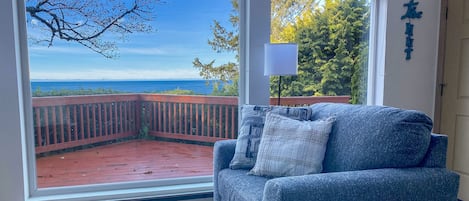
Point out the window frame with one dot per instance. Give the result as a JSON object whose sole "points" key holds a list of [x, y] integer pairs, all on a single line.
{"points": [[376, 52]]}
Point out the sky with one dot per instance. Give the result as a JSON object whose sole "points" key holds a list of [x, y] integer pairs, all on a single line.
{"points": [[182, 31]]}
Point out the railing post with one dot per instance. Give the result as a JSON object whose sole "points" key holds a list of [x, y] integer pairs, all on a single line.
{"points": [[138, 113]]}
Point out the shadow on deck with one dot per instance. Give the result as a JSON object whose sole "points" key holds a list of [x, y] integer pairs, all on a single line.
{"points": [[126, 161]]}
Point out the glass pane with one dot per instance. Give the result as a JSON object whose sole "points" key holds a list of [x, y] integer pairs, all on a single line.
{"points": [[332, 38], [130, 90]]}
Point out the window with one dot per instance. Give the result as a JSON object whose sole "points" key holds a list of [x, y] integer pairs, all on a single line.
{"points": [[148, 106], [332, 38]]}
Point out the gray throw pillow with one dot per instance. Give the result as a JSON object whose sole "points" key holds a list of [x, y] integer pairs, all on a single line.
{"points": [[290, 147], [250, 131]]}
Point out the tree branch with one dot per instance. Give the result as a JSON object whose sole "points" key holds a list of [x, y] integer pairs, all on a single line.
{"points": [[86, 21]]}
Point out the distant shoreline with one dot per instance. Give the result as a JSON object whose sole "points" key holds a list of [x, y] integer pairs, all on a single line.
{"points": [[203, 87], [123, 80]]}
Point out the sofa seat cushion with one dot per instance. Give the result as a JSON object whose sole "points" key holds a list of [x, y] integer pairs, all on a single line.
{"points": [[369, 137], [237, 185]]}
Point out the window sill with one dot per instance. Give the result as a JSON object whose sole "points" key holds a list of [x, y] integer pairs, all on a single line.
{"points": [[137, 193]]}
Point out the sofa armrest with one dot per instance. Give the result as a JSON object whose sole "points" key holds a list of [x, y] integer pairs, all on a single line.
{"points": [[223, 152], [436, 154], [379, 184]]}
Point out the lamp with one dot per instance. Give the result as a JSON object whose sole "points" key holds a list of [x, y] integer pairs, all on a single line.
{"points": [[280, 59]]}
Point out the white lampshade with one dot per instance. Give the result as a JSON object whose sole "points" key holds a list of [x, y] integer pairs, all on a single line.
{"points": [[280, 59]]}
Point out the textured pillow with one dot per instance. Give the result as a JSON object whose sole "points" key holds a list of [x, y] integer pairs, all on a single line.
{"points": [[290, 147], [368, 137], [250, 131]]}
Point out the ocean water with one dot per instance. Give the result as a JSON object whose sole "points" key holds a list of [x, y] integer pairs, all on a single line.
{"points": [[198, 86]]}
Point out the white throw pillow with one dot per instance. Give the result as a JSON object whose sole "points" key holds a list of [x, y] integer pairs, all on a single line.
{"points": [[290, 147]]}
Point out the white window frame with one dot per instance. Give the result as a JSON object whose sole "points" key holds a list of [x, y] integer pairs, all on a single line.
{"points": [[18, 175], [377, 52]]}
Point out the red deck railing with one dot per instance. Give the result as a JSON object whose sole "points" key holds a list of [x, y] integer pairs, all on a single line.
{"points": [[70, 121], [198, 118]]}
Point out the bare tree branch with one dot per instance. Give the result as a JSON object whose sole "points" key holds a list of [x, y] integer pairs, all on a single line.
{"points": [[86, 22]]}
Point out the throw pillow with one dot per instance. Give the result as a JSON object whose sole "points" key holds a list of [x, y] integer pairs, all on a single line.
{"points": [[290, 147], [250, 131]]}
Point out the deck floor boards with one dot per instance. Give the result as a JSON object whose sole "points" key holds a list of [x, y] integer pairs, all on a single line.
{"points": [[126, 161]]}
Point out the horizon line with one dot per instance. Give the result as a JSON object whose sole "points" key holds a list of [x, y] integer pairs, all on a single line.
{"points": [[95, 80]]}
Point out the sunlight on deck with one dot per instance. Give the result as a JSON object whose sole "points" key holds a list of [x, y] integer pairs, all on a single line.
{"points": [[126, 161]]}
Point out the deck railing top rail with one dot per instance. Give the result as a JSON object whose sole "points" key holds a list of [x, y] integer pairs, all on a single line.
{"points": [[89, 99], [309, 100], [220, 100]]}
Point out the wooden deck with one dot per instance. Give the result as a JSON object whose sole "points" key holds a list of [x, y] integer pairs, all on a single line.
{"points": [[126, 161]]}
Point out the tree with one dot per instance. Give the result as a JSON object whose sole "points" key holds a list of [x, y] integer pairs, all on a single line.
{"points": [[86, 21], [226, 40], [285, 13], [332, 51]]}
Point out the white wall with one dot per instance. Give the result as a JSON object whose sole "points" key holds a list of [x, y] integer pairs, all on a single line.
{"points": [[411, 84], [11, 155]]}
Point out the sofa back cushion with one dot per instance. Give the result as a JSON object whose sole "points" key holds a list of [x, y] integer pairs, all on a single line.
{"points": [[369, 137]]}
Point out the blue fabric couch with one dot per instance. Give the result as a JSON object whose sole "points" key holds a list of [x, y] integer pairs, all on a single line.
{"points": [[373, 153]]}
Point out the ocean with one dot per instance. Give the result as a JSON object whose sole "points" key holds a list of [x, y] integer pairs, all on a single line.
{"points": [[198, 86]]}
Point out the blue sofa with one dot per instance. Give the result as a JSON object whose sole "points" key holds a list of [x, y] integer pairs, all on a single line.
{"points": [[373, 153]]}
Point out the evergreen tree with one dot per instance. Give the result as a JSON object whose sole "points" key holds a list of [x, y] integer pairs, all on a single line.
{"points": [[332, 51], [284, 13]]}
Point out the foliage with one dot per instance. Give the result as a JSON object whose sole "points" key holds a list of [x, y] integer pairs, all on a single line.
{"points": [[178, 91], [224, 40], [333, 48], [229, 88], [86, 21], [227, 40], [284, 13], [144, 125], [70, 92]]}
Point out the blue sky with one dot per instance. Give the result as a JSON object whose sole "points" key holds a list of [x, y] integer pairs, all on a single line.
{"points": [[183, 28]]}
